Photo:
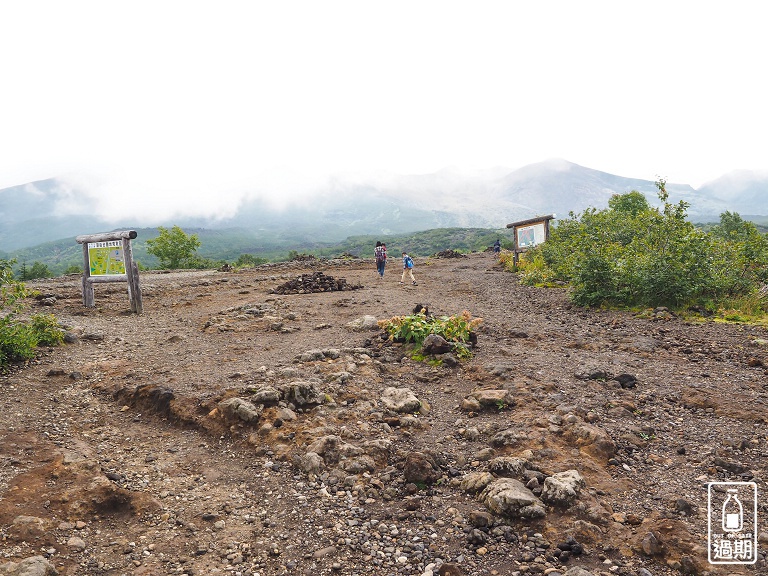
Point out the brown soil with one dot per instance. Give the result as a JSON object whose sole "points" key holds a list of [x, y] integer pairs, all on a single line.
{"points": [[116, 448]]}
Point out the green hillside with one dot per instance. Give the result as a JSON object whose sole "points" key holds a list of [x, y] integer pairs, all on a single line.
{"points": [[220, 246]]}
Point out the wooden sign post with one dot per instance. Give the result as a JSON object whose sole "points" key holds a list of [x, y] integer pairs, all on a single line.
{"points": [[528, 233], [108, 257]]}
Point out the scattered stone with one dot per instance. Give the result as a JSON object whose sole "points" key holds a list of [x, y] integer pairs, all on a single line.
{"points": [[420, 468], [578, 571], [476, 481], [626, 381], [508, 467], [240, 409], [400, 400], [76, 543], [651, 544], [325, 552], [480, 519], [28, 527], [363, 324], [436, 344], [491, 398], [33, 566], [301, 394], [562, 489], [449, 569]]}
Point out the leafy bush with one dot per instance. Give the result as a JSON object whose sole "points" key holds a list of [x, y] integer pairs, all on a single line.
{"points": [[174, 248], [632, 254], [46, 329], [249, 261], [19, 338], [416, 327]]}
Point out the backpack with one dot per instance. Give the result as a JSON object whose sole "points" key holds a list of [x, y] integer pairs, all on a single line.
{"points": [[408, 262], [380, 254]]}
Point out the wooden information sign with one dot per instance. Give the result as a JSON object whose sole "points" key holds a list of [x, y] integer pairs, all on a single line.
{"points": [[108, 257]]}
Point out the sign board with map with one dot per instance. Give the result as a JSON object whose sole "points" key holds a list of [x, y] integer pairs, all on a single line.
{"points": [[108, 257], [529, 233]]}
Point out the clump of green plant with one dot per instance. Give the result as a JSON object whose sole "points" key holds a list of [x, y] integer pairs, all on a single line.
{"points": [[416, 327], [533, 269], [507, 260], [20, 337]]}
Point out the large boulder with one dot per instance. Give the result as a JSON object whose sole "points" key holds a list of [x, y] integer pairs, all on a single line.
{"points": [[562, 489], [265, 395], [509, 497], [401, 400], [420, 468], [301, 394], [363, 324], [476, 481], [592, 439], [333, 449], [435, 344], [489, 398], [240, 409], [33, 566]]}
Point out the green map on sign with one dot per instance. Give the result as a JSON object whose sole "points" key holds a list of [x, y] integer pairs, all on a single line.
{"points": [[106, 260]]}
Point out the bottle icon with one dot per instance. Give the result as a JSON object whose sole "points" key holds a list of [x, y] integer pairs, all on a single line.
{"points": [[733, 512]]}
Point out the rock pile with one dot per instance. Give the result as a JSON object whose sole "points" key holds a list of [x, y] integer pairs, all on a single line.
{"points": [[449, 254], [315, 282]]}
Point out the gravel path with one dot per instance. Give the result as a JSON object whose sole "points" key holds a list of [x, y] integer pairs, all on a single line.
{"points": [[118, 456]]}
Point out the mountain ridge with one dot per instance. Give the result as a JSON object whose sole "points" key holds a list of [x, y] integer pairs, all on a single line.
{"points": [[46, 210]]}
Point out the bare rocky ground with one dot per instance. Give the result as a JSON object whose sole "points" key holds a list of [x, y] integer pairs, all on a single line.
{"points": [[232, 430]]}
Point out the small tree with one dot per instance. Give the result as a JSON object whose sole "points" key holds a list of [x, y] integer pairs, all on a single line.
{"points": [[38, 270], [174, 248], [632, 203]]}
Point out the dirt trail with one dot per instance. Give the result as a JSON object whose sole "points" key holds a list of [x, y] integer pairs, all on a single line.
{"points": [[117, 455]]}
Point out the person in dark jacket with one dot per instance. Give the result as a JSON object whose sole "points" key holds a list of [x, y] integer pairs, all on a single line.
{"points": [[380, 253]]}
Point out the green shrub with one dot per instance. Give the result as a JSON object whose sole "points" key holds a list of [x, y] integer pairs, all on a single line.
{"points": [[249, 261], [47, 330], [19, 338], [416, 327], [632, 254]]}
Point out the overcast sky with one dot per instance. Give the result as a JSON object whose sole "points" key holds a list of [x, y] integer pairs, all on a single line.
{"points": [[185, 102]]}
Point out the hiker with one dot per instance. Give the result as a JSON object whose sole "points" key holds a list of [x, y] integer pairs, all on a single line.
{"points": [[380, 253], [407, 268], [497, 246]]}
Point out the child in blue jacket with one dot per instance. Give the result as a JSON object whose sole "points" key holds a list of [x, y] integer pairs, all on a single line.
{"points": [[407, 268]]}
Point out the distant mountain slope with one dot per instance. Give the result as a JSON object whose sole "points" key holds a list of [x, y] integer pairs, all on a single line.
{"points": [[49, 210], [743, 191]]}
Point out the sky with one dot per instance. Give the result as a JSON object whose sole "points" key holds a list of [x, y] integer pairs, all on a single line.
{"points": [[190, 105]]}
